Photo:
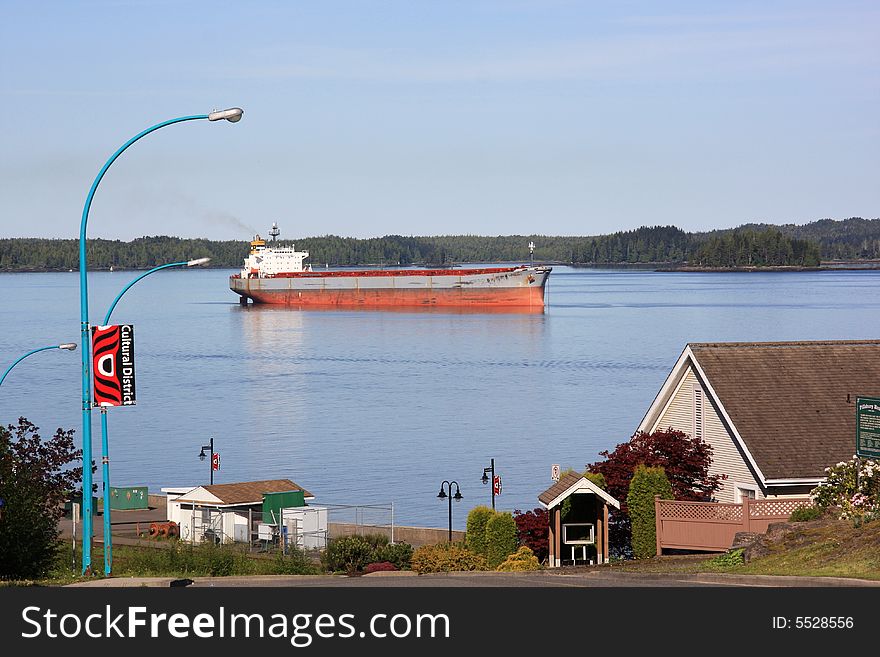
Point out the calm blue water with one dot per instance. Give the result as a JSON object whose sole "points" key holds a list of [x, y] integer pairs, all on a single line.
{"points": [[367, 407]]}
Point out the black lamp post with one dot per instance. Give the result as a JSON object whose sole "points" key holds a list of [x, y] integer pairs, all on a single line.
{"points": [[487, 473], [457, 496], [210, 447]]}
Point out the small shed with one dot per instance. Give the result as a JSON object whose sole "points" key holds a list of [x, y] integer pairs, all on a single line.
{"points": [[227, 513], [585, 525]]}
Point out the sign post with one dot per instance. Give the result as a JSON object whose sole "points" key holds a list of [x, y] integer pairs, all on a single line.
{"points": [[868, 427], [554, 472]]}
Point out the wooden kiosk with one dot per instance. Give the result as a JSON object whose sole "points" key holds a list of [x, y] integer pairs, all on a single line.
{"points": [[585, 524]]}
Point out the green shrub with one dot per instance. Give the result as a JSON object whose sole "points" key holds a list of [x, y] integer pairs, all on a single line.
{"points": [[729, 559], [295, 562], [597, 478], [376, 540], [805, 514], [400, 554], [644, 485], [446, 557], [216, 560], [349, 554], [475, 536], [500, 538], [522, 560]]}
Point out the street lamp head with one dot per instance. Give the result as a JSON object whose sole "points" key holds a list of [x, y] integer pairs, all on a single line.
{"points": [[457, 495], [197, 262], [442, 493], [485, 478], [69, 346], [202, 455], [233, 115]]}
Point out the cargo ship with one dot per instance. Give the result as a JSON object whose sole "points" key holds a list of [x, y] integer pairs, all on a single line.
{"points": [[278, 275]]}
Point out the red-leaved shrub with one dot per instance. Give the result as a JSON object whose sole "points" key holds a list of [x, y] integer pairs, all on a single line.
{"points": [[379, 566], [533, 531]]}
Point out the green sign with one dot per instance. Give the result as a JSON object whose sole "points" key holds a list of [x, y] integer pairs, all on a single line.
{"points": [[274, 502], [868, 427]]}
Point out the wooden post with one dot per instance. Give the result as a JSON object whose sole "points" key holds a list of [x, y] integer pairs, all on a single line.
{"points": [[551, 557], [599, 531], [657, 524], [559, 536], [605, 531], [746, 515]]}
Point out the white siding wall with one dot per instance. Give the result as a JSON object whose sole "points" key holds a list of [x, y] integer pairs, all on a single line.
{"points": [[726, 458]]}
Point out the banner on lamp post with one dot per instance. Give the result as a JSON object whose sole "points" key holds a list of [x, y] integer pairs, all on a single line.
{"points": [[215, 461], [113, 365]]}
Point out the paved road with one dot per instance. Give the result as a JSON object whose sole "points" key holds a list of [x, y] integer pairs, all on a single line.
{"points": [[600, 578]]}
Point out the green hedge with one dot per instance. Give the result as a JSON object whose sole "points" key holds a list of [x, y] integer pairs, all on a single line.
{"points": [[500, 538], [475, 537], [644, 485]]}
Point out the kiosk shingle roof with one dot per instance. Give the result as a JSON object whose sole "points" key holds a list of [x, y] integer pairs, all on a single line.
{"points": [[557, 489]]}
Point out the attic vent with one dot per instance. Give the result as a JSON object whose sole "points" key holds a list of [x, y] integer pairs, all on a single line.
{"points": [[698, 412]]}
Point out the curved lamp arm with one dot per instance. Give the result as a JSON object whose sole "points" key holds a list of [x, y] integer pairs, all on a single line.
{"points": [[185, 263], [69, 346]]}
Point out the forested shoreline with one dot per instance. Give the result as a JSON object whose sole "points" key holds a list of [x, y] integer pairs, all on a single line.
{"points": [[751, 245]]}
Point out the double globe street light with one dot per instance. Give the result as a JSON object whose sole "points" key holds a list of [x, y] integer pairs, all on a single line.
{"points": [[443, 495], [233, 115]]}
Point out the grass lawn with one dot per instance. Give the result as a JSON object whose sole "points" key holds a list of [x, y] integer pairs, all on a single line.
{"points": [[176, 560], [835, 549]]}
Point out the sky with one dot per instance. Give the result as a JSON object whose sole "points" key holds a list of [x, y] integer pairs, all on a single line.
{"points": [[489, 117]]}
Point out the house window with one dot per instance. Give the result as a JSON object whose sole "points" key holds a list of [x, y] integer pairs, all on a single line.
{"points": [[699, 416], [744, 492]]}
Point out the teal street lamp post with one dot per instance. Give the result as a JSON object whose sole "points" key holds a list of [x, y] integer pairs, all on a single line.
{"points": [[232, 115], [105, 443], [68, 346]]}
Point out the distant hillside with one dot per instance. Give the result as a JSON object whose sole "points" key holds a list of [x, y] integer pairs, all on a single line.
{"points": [[748, 245], [850, 239]]}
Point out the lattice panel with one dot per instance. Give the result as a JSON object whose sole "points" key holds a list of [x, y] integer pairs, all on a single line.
{"points": [[699, 511], [776, 508]]}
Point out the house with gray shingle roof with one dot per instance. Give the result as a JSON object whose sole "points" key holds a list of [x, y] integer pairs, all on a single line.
{"points": [[775, 413]]}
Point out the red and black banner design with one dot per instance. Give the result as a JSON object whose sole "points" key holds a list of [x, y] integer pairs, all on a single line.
{"points": [[113, 365]]}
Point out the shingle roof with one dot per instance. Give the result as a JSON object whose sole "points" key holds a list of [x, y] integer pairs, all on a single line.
{"points": [[250, 492], [565, 482], [573, 483], [793, 403]]}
